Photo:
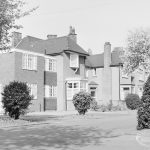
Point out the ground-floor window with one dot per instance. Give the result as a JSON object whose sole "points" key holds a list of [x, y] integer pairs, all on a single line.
{"points": [[33, 90], [50, 91], [74, 87], [124, 92], [93, 92], [140, 91]]}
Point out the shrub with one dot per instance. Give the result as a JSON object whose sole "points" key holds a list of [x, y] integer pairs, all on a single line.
{"points": [[94, 106], [143, 114], [132, 101], [16, 99], [82, 101]]}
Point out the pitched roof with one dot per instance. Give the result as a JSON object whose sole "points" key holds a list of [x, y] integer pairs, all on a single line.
{"points": [[50, 46], [98, 59], [93, 83]]}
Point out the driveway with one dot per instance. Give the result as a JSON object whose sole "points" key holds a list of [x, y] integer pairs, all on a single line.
{"points": [[73, 132]]}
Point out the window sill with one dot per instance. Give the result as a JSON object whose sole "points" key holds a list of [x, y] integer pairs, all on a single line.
{"points": [[29, 70], [49, 71]]}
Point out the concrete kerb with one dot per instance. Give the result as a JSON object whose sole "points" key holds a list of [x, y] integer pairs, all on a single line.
{"points": [[65, 113]]}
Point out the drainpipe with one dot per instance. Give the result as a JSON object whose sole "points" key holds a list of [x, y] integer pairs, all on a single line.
{"points": [[119, 82], [66, 94]]}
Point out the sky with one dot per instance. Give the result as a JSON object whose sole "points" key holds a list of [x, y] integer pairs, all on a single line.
{"points": [[95, 21]]}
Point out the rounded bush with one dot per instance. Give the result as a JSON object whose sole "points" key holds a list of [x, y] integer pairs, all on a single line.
{"points": [[132, 101], [82, 101], [16, 99], [143, 113]]}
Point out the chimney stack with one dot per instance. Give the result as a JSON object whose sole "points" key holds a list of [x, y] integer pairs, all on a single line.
{"points": [[107, 54], [72, 34], [16, 38], [51, 36], [107, 75]]}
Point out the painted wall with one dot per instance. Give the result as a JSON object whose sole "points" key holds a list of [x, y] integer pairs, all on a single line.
{"points": [[69, 72], [61, 92], [98, 80], [115, 83], [32, 77]]}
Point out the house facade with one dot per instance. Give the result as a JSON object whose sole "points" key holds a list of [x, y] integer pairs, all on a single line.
{"points": [[56, 68], [106, 80]]}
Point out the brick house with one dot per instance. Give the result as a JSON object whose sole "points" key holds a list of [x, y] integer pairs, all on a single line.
{"points": [[54, 69]]}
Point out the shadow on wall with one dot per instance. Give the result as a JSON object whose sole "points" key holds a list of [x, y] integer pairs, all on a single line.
{"points": [[52, 136]]}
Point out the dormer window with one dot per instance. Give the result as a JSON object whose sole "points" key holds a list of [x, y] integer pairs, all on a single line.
{"points": [[74, 60]]}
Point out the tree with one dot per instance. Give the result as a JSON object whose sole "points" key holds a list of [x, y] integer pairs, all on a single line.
{"points": [[144, 109], [16, 98], [10, 10], [137, 52]]}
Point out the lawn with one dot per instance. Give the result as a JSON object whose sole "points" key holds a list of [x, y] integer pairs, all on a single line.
{"points": [[106, 131]]}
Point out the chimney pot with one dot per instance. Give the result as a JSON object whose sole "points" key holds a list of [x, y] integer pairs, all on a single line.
{"points": [[72, 34], [51, 36]]}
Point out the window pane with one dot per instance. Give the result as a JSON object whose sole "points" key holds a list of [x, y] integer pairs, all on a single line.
{"points": [[69, 85], [76, 85]]}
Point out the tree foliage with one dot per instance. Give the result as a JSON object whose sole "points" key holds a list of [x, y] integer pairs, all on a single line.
{"points": [[144, 109], [82, 102], [16, 98], [137, 51], [10, 10], [132, 101]]}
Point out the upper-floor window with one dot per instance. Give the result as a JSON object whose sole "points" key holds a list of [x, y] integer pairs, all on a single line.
{"points": [[50, 91], [50, 64], [86, 73], [94, 71], [74, 60], [29, 62], [123, 74], [33, 90]]}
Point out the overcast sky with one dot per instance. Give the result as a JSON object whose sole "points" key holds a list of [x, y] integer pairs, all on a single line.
{"points": [[95, 21]]}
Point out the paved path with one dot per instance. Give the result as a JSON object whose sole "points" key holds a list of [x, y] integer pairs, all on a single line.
{"points": [[73, 132]]}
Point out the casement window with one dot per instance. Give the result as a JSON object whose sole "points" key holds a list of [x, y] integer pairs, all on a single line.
{"points": [[94, 72], [123, 75], [74, 87], [50, 65], [33, 90], [29, 62], [50, 91], [74, 60], [86, 73]]}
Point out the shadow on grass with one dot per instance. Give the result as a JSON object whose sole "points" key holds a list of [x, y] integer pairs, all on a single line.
{"points": [[52, 137]]}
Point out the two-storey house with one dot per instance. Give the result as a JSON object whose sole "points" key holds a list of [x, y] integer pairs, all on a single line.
{"points": [[54, 69], [106, 80]]}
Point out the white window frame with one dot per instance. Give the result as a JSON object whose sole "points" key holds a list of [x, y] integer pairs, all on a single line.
{"points": [[74, 60], [33, 90], [50, 91], [29, 61], [50, 64], [94, 72], [72, 90]]}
